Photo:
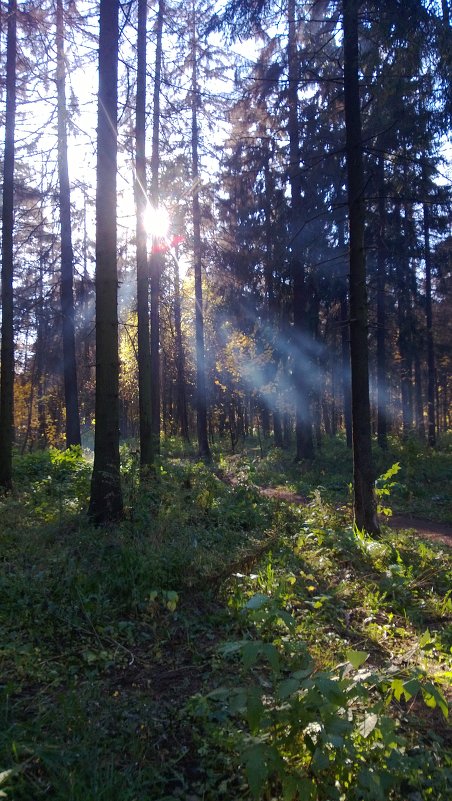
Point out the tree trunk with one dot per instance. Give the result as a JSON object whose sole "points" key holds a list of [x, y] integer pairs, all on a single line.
{"points": [[144, 353], [382, 392], [201, 397], [67, 255], [106, 498], [431, 431], [403, 323], [345, 359], [365, 512], [303, 424], [181, 395], [7, 345], [156, 256]]}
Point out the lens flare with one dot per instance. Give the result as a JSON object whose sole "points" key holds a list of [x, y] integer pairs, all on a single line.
{"points": [[157, 222]]}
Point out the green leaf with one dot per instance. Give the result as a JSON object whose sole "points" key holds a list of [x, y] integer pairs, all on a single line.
{"points": [[433, 697], [287, 618], [270, 651], [295, 787], [426, 641], [330, 689], [250, 653], [410, 688], [254, 711], [356, 658], [287, 687], [397, 688], [232, 647], [320, 761], [256, 768], [290, 788], [257, 601]]}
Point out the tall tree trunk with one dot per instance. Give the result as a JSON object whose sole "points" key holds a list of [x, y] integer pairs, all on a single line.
{"points": [[156, 256], [403, 322], [106, 497], [181, 395], [144, 352], [431, 431], [272, 309], [67, 255], [7, 345], [365, 512], [345, 359], [382, 391], [303, 425], [201, 396]]}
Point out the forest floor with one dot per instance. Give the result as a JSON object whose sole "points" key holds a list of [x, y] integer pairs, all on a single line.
{"points": [[227, 636]]}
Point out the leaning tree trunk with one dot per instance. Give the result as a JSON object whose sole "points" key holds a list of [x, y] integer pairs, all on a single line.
{"points": [[201, 395], [67, 255], [106, 498], [144, 352], [365, 512], [7, 344], [156, 255]]}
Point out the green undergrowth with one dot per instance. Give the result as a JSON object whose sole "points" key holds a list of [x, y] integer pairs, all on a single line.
{"points": [[216, 643], [423, 487]]}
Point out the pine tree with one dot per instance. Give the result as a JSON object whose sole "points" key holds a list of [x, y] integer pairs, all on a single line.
{"points": [[7, 344], [106, 498]]}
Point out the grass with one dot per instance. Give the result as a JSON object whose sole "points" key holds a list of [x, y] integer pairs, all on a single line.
{"points": [[113, 641]]}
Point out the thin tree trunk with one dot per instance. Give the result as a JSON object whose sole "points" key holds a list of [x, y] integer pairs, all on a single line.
{"points": [[201, 397], [181, 395], [144, 353], [7, 344], [418, 401], [156, 256], [404, 327], [106, 497], [431, 431], [303, 425], [345, 359], [382, 399], [67, 255], [365, 512]]}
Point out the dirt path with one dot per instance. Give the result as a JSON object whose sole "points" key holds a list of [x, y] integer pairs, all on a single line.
{"points": [[430, 529]]}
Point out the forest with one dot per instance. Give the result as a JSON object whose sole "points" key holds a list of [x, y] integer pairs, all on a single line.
{"points": [[225, 417]]}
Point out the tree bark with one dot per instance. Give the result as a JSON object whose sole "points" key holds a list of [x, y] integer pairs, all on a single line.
{"points": [[144, 352], [181, 395], [404, 326], [303, 424], [156, 256], [106, 498], [201, 396], [345, 359], [382, 391], [431, 430], [67, 255], [7, 344], [365, 512]]}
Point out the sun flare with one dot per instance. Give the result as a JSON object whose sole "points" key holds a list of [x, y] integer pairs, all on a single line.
{"points": [[157, 222]]}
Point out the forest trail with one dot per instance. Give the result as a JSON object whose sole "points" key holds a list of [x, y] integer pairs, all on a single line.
{"points": [[429, 529]]}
